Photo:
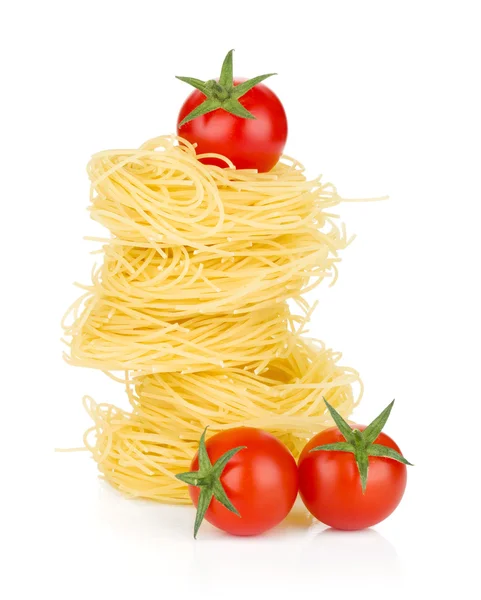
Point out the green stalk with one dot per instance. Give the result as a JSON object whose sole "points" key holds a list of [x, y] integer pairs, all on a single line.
{"points": [[207, 478], [223, 93], [361, 443]]}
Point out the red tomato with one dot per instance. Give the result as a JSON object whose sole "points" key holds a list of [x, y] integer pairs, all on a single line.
{"points": [[249, 143], [260, 481], [330, 485]]}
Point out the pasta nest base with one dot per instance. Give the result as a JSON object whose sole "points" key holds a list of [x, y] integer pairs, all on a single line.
{"points": [[139, 452]]}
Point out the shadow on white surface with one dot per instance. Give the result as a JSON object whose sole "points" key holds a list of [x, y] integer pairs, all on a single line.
{"points": [[140, 519]]}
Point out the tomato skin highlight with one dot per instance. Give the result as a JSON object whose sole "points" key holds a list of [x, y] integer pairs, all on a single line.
{"points": [[248, 143], [330, 485], [261, 481]]}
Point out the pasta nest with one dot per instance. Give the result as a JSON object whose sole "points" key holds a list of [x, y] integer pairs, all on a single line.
{"points": [[140, 451]]}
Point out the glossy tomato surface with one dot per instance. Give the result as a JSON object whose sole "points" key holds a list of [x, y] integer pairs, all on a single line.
{"points": [[249, 143], [330, 485], [260, 481]]}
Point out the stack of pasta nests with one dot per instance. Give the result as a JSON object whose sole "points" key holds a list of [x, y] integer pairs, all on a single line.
{"points": [[190, 305]]}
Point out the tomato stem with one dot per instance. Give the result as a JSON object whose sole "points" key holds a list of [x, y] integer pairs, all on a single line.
{"points": [[222, 93], [207, 478], [361, 443]]}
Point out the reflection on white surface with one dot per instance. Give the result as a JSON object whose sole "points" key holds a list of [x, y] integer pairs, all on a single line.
{"points": [[360, 555], [300, 551]]}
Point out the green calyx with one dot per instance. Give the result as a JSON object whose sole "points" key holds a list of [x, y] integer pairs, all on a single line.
{"points": [[207, 478], [223, 93], [361, 443]]}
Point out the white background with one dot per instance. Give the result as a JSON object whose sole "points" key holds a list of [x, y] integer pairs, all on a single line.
{"points": [[382, 98]]}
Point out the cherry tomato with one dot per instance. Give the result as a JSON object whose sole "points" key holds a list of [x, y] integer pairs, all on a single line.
{"points": [[260, 481], [249, 143], [330, 485]]}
